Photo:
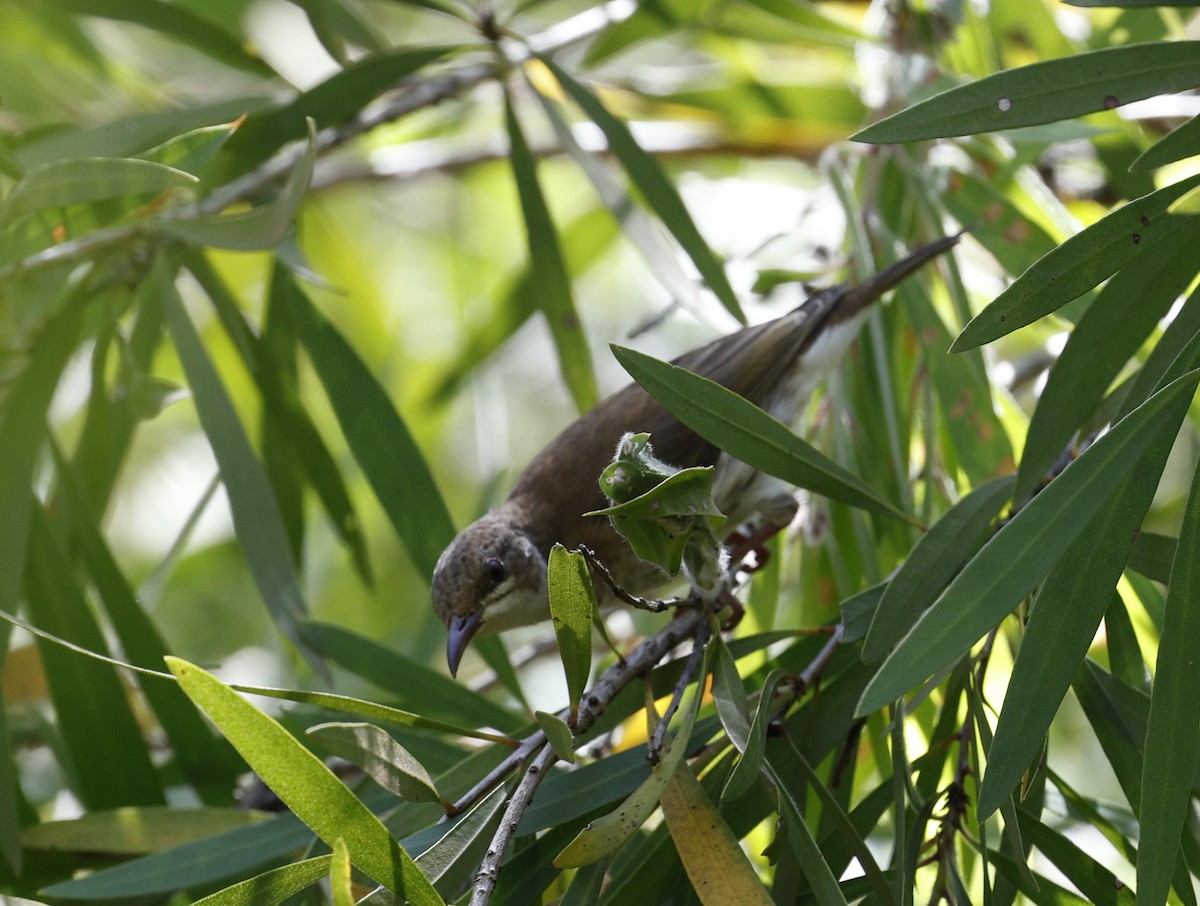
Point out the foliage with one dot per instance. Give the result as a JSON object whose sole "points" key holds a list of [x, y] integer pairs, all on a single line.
{"points": [[286, 253]]}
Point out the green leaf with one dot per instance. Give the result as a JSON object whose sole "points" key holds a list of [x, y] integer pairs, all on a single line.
{"points": [[1094, 881], [745, 772], [362, 708], [572, 605], [339, 875], [378, 438], [181, 23], [1078, 264], [64, 183], [414, 685], [263, 227], [454, 858], [103, 742], [305, 785], [1020, 554], [333, 101], [730, 695], [660, 194], [558, 734], [746, 432], [1181, 142], [803, 845], [133, 830], [1110, 331], [1173, 733], [1046, 91], [271, 887], [932, 563], [607, 834], [1066, 613], [551, 282], [1152, 556], [859, 610], [191, 151], [382, 758], [256, 517], [22, 432], [205, 760]]}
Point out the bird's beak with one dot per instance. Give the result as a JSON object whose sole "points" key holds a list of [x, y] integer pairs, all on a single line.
{"points": [[461, 629]]}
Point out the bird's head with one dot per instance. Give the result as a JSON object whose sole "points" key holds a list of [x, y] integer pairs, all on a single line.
{"points": [[491, 578]]}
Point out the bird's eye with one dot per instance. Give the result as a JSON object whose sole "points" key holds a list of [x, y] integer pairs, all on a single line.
{"points": [[494, 567]]}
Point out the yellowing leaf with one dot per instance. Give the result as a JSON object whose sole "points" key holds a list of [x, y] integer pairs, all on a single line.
{"points": [[715, 863]]}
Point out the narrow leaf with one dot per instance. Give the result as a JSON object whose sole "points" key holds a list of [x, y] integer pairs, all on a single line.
{"points": [[1078, 264], [339, 875], [98, 730], [1066, 613], [558, 734], [22, 432], [1173, 733], [1017, 557], [378, 438], [803, 845], [362, 708], [745, 772], [1110, 331], [607, 834], [572, 605], [551, 283], [1181, 142], [273, 887], [730, 695], [256, 517], [1046, 91], [748, 433], [63, 183], [305, 785], [263, 227], [133, 830], [661, 195], [933, 562], [382, 758]]}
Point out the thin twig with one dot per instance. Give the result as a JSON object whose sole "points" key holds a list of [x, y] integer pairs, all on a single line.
{"points": [[690, 670], [489, 868], [594, 702]]}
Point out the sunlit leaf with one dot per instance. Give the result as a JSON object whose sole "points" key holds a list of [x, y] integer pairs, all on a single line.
{"points": [[308, 788], [558, 734], [271, 887], [1020, 554], [382, 758], [1046, 91], [572, 606]]}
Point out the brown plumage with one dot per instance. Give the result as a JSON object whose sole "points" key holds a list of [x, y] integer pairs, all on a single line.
{"points": [[492, 576]]}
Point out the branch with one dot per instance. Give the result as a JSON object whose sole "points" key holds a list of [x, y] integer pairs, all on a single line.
{"points": [[412, 94]]}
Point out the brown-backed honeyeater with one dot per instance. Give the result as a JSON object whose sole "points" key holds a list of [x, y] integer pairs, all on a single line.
{"points": [[492, 577]]}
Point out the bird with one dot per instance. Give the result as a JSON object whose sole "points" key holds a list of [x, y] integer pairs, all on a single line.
{"points": [[492, 576]]}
